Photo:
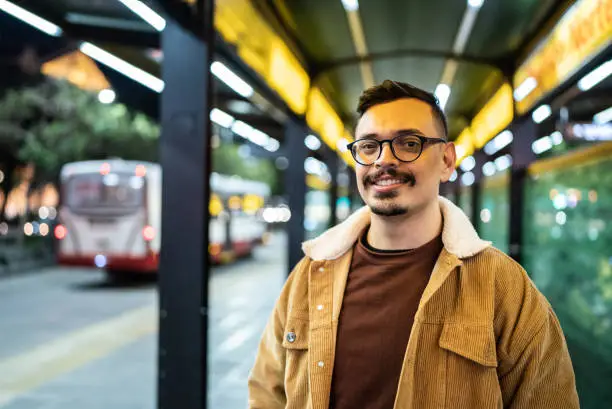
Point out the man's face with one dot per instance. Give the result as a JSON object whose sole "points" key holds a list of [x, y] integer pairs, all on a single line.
{"points": [[418, 181]]}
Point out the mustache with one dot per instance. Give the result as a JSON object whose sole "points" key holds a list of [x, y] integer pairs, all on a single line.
{"points": [[404, 177]]}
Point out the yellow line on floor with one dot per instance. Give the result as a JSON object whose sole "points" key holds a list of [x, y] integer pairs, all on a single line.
{"points": [[24, 372]]}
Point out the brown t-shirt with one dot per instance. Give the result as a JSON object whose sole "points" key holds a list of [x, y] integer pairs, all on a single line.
{"points": [[381, 298]]}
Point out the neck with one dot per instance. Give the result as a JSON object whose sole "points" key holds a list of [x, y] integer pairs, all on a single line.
{"points": [[407, 231]]}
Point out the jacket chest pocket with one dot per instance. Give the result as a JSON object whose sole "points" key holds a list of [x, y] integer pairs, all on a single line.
{"points": [[471, 366], [295, 344]]}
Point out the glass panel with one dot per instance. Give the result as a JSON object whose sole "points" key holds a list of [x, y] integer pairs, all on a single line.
{"points": [[317, 213], [465, 200], [567, 241], [494, 209]]}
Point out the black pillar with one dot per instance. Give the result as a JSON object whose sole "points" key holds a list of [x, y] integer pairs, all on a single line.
{"points": [[480, 157], [295, 189], [183, 281], [525, 133], [332, 165]]}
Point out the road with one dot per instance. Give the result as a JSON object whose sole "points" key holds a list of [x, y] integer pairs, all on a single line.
{"points": [[71, 339]]}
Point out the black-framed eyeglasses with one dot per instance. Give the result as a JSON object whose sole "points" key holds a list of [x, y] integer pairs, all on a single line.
{"points": [[406, 148]]}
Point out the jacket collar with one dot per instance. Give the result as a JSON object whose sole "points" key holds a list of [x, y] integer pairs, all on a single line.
{"points": [[458, 234]]}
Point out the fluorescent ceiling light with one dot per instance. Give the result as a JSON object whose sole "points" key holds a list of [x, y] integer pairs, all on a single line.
{"points": [[541, 113], [556, 137], [350, 5], [475, 3], [442, 92], [107, 96], [525, 88], [503, 162], [242, 129], [489, 169], [499, 142], [468, 179], [453, 177], [256, 136], [596, 76], [30, 18], [542, 145], [312, 142], [231, 80], [221, 118], [123, 67], [273, 145], [603, 117], [468, 164], [146, 13]]}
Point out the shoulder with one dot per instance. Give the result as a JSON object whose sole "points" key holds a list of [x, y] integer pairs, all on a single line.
{"points": [[519, 307]]}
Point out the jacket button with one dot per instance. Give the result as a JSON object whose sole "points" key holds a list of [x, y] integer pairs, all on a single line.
{"points": [[321, 269], [291, 337], [321, 364]]}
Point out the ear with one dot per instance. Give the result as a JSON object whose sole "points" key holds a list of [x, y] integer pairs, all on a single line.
{"points": [[449, 161]]}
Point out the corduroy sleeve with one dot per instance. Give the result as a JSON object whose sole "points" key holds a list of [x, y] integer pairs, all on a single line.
{"points": [[266, 382], [542, 376]]}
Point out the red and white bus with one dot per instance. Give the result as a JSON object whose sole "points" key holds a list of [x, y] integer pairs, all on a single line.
{"points": [[110, 215]]}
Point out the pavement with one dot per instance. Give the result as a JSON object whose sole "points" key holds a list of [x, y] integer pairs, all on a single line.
{"points": [[69, 338]]}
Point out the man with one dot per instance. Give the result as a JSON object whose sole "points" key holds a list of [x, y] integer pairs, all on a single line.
{"points": [[403, 305]]}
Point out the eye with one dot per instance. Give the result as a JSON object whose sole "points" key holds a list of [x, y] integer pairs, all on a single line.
{"points": [[368, 146]]}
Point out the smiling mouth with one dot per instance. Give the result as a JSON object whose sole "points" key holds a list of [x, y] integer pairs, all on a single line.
{"points": [[388, 182]]}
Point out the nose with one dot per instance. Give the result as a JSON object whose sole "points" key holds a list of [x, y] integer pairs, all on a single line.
{"points": [[386, 157]]}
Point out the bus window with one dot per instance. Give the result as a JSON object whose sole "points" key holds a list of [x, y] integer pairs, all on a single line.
{"points": [[118, 193]]}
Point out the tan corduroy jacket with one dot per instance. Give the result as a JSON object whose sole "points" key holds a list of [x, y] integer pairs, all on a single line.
{"points": [[483, 335]]}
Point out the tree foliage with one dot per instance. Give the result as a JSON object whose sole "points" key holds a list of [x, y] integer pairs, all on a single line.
{"points": [[55, 122], [226, 159]]}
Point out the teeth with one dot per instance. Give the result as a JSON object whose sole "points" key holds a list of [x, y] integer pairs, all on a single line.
{"points": [[388, 182]]}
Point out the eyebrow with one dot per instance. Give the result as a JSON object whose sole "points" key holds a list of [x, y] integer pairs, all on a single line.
{"points": [[409, 131]]}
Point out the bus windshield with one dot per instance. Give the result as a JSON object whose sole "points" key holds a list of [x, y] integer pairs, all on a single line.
{"points": [[95, 193]]}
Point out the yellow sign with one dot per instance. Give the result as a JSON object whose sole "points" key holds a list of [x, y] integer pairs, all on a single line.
{"points": [[322, 118], [78, 69], [464, 145], [346, 155], [496, 115], [584, 30], [288, 77], [241, 25], [258, 45]]}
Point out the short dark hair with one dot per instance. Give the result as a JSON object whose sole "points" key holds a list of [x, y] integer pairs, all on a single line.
{"points": [[390, 91]]}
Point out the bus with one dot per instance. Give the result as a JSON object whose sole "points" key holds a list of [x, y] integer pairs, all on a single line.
{"points": [[110, 216]]}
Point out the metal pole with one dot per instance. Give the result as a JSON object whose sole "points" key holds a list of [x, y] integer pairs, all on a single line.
{"points": [[332, 166], [525, 133], [295, 188], [185, 159]]}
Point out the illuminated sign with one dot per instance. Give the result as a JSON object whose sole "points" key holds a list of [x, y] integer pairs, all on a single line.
{"points": [[494, 117], [589, 132], [78, 69], [258, 45], [241, 25], [322, 118], [464, 145], [584, 30]]}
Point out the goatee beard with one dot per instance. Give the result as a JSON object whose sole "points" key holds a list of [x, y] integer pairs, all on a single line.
{"points": [[389, 211]]}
